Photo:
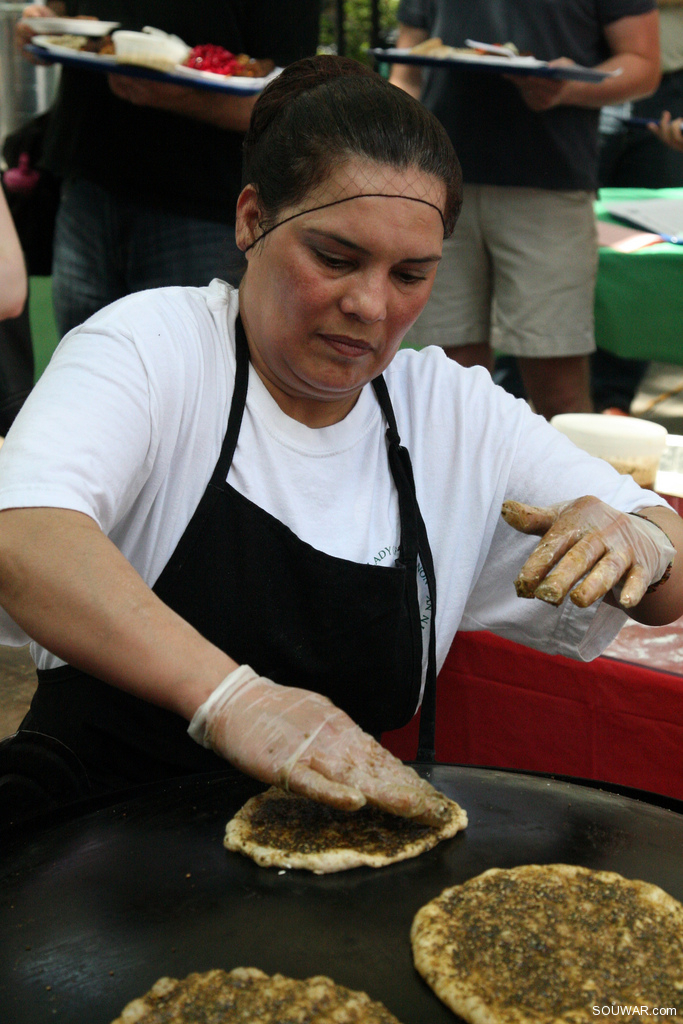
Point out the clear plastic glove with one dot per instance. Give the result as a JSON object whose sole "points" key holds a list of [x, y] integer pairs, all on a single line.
{"points": [[587, 536], [300, 741]]}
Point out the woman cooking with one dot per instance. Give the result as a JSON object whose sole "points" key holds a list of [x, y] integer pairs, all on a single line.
{"points": [[209, 509]]}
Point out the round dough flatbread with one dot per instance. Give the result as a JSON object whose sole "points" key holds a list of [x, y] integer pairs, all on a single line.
{"points": [[247, 994], [552, 943], [278, 829]]}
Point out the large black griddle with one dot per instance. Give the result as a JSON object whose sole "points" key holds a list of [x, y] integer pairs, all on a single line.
{"points": [[95, 908]]}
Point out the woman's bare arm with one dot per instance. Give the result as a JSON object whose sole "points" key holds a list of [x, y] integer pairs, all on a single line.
{"points": [[665, 603], [13, 281], [71, 590]]}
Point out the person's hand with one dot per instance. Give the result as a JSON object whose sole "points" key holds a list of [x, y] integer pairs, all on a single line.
{"points": [[300, 741], [541, 94], [146, 92], [669, 132], [23, 33], [586, 536]]}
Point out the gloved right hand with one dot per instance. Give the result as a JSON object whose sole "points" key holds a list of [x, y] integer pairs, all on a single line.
{"points": [[301, 741], [586, 540]]}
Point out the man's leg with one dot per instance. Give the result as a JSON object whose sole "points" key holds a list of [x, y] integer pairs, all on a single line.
{"points": [[458, 314], [472, 355], [107, 247], [544, 252], [87, 254], [557, 384], [172, 249]]}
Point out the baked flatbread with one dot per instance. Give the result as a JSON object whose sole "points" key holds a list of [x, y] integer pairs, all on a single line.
{"points": [[247, 994], [279, 829], [551, 943]]}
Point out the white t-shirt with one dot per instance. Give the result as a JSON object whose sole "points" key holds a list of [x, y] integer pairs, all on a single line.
{"points": [[127, 422]]}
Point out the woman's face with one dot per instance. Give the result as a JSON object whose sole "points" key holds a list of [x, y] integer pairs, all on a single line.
{"points": [[328, 296]]}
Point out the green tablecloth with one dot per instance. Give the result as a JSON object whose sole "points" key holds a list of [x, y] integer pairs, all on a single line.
{"points": [[639, 295]]}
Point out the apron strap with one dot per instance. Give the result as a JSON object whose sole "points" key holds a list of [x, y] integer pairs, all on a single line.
{"points": [[185, 545], [239, 400], [414, 532], [414, 540]]}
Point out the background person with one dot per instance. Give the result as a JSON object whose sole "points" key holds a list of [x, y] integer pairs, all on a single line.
{"points": [[223, 525], [151, 170], [16, 354], [669, 131], [518, 275], [13, 280], [631, 157]]}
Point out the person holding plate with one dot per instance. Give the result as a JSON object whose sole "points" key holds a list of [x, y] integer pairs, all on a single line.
{"points": [[152, 170], [246, 510], [519, 273]]}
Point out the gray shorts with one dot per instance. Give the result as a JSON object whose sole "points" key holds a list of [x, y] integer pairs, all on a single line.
{"points": [[518, 273]]}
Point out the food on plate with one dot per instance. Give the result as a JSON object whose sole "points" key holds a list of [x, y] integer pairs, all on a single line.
{"points": [[278, 829], [549, 943], [247, 994], [69, 42], [150, 48], [220, 61], [435, 47], [103, 46], [85, 44]]}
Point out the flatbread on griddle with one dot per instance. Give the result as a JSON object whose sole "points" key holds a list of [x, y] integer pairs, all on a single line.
{"points": [[549, 943], [279, 829], [247, 994]]}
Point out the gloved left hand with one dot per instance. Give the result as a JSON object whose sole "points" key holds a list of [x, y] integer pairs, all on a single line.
{"points": [[301, 741], [587, 537]]}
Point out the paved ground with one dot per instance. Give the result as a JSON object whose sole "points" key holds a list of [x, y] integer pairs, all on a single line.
{"points": [[661, 379], [18, 681], [17, 674]]}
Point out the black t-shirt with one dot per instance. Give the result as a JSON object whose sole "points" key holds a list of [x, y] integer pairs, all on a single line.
{"points": [[499, 140], [159, 158]]}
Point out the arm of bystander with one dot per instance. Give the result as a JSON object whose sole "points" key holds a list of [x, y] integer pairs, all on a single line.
{"points": [[13, 283], [408, 76], [634, 45]]}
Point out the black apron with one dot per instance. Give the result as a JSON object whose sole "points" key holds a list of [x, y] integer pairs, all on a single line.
{"points": [[295, 614]]}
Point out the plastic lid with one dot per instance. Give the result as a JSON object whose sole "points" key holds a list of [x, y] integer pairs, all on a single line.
{"points": [[612, 436]]}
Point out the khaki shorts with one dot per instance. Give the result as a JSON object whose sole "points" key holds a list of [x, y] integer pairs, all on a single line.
{"points": [[518, 273]]}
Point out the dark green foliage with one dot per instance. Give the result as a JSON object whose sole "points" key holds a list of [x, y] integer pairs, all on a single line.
{"points": [[357, 25]]}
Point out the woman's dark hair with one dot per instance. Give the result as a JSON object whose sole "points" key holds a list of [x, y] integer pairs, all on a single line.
{"points": [[322, 110]]}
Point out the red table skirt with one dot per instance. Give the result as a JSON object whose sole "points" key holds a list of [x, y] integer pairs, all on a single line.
{"points": [[504, 705]]}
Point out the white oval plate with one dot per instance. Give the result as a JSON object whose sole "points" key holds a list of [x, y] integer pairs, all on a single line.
{"points": [[234, 81], [45, 42], [71, 26]]}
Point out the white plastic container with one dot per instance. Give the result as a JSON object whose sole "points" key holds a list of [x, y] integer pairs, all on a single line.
{"points": [[151, 48], [631, 445]]}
